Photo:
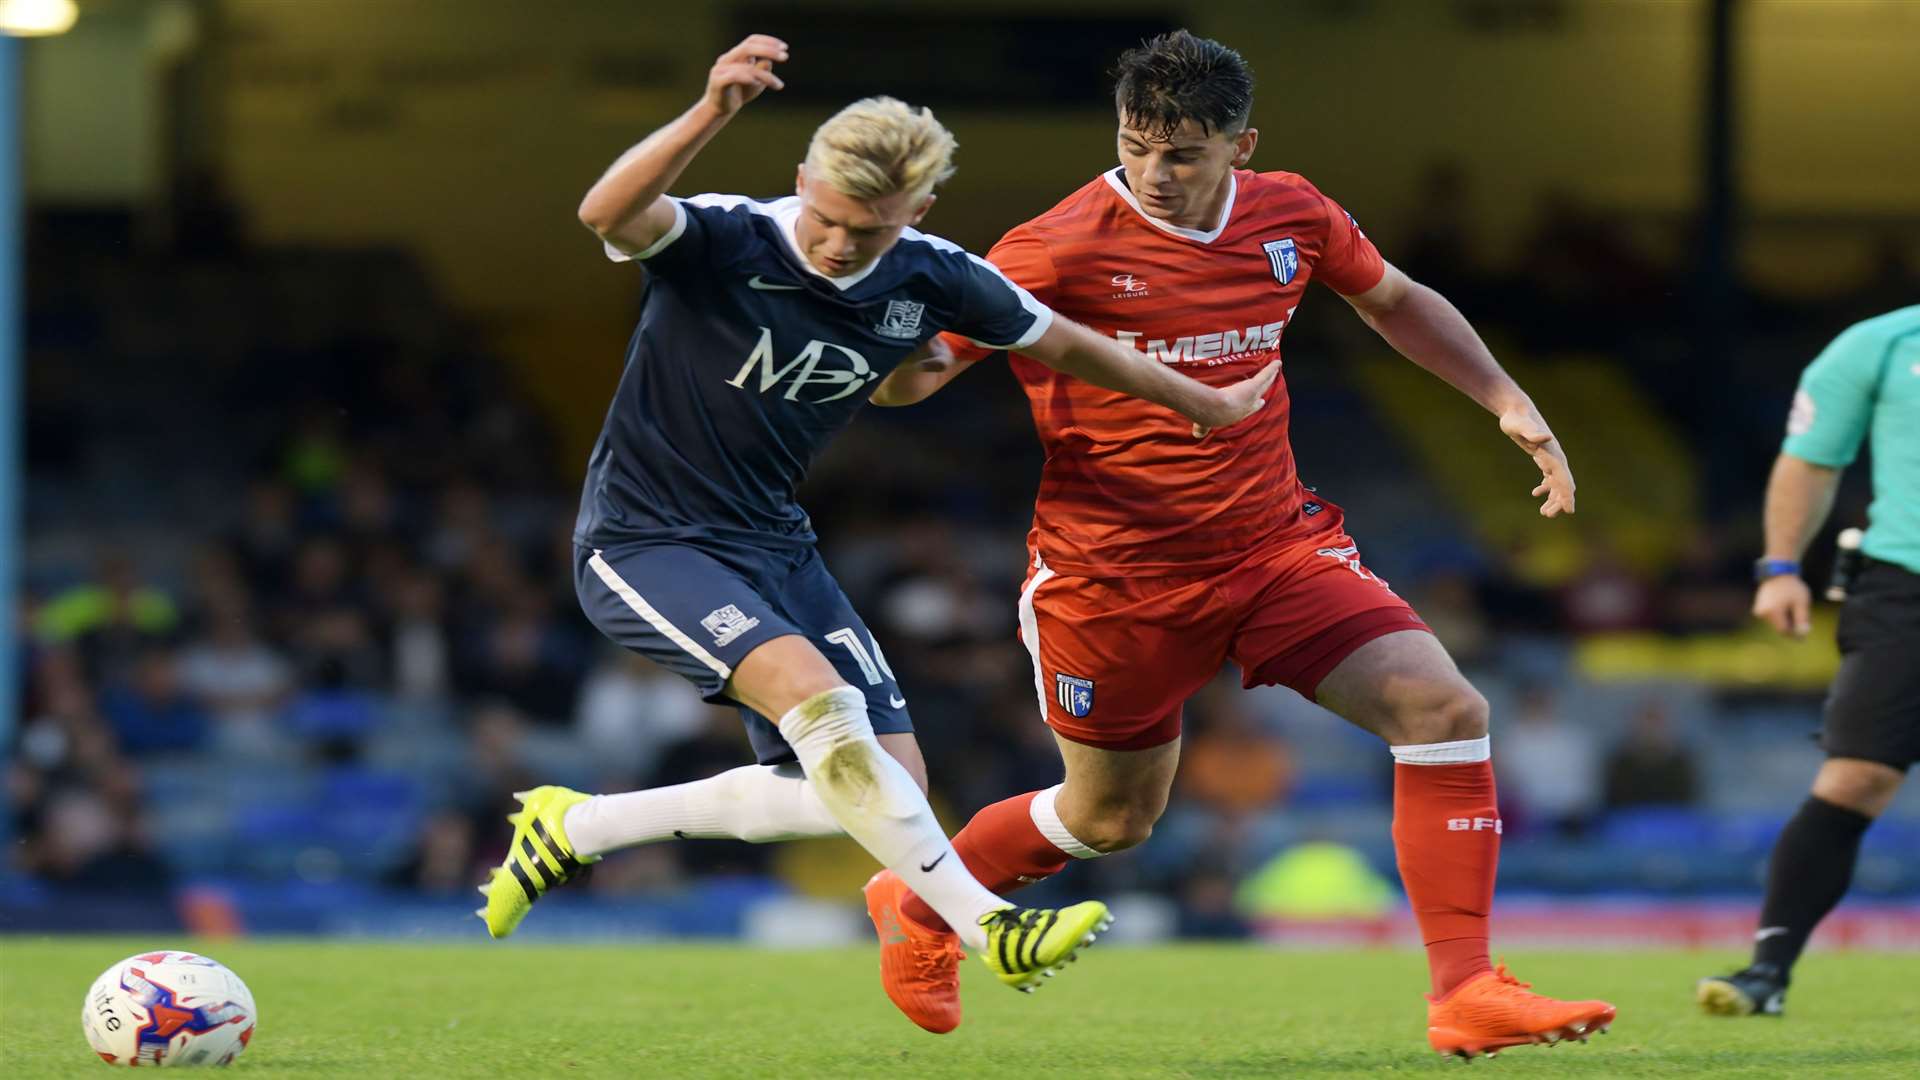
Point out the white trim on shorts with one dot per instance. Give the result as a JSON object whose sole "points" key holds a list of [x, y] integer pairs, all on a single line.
{"points": [[1030, 630], [658, 621]]}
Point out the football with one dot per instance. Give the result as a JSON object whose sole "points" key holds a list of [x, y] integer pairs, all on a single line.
{"points": [[168, 1008]]}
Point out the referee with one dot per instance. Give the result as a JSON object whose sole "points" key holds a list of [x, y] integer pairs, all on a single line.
{"points": [[1865, 385]]}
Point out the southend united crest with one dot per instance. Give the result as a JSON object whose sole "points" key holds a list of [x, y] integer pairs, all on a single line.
{"points": [[1284, 258], [902, 319], [728, 623], [1075, 694]]}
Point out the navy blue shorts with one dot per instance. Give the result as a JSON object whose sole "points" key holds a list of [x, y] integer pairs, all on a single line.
{"points": [[699, 611]]}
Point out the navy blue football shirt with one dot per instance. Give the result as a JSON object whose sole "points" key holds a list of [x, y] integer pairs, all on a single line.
{"points": [[747, 361]]}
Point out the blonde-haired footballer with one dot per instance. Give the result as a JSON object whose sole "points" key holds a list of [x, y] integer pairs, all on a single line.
{"points": [[764, 326], [878, 146]]}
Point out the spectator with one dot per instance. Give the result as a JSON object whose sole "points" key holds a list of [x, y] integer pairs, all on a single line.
{"points": [[1707, 588], [365, 504], [1451, 608], [1550, 768], [151, 712], [85, 846], [419, 656], [444, 864], [1606, 595], [325, 618], [110, 619], [1230, 766], [1233, 776], [462, 525], [315, 454], [232, 672], [630, 711], [267, 536], [66, 744], [1443, 241], [498, 763], [1651, 766], [331, 716], [523, 655]]}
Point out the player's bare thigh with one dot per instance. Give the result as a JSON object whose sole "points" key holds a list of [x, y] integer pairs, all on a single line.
{"points": [[787, 670], [1404, 688], [1112, 798]]}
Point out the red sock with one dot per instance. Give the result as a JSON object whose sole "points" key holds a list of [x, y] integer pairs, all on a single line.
{"points": [[1446, 834], [1003, 848]]}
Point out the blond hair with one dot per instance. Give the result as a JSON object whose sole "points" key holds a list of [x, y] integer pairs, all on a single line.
{"points": [[881, 145]]}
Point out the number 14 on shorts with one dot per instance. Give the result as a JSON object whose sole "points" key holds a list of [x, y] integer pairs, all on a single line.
{"points": [[872, 662]]}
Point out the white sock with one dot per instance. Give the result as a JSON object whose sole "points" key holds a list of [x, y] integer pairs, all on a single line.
{"points": [[760, 804], [1460, 752], [1047, 819], [875, 799]]}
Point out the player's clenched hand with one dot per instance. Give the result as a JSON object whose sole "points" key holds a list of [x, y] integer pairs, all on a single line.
{"points": [[934, 355], [1239, 401], [1785, 603], [1530, 433], [744, 72]]}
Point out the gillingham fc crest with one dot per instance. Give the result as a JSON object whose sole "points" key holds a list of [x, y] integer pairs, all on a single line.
{"points": [[1075, 694], [1284, 258]]}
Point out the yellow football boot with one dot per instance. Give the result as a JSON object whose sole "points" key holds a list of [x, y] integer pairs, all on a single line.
{"points": [[1026, 945], [540, 858]]}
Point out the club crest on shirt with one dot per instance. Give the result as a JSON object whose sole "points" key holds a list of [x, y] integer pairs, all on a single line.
{"points": [[1074, 693], [902, 319], [1284, 258]]}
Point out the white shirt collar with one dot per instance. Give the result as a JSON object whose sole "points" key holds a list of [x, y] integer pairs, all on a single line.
{"points": [[787, 212], [1119, 184]]}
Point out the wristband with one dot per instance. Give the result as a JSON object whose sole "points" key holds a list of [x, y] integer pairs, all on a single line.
{"points": [[1772, 568]]}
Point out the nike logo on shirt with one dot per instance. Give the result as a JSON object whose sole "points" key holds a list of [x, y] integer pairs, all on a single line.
{"points": [[896, 701], [758, 282], [928, 868]]}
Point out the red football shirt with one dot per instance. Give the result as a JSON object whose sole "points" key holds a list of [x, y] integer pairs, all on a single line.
{"points": [[1126, 489]]}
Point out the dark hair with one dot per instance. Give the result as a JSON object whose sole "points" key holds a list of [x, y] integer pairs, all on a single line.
{"points": [[1178, 77]]}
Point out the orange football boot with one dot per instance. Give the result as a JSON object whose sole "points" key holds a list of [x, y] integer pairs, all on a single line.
{"points": [[1493, 1010], [919, 966]]}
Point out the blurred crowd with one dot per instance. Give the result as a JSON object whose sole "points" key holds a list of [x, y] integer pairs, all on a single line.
{"points": [[351, 626]]}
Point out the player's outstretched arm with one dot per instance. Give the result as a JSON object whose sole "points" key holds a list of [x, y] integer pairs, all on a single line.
{"points": [[1428, 330], [1072, 349], [919, 376], [626, 207]]}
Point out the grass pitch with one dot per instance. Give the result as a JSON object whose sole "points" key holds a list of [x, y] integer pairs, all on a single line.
{"points": [[626, 1010]]}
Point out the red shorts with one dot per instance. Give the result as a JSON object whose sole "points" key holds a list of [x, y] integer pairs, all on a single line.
{"points": [[1116, 658]]}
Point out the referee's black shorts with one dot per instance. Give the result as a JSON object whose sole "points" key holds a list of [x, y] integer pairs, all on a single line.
{"points": [[1873, 710]]}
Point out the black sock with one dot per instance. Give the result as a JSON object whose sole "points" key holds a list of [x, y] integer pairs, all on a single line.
{"points": [[1811, 867]]}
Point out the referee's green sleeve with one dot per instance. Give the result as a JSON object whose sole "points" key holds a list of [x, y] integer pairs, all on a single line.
{"points": [[1834, 404]]}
